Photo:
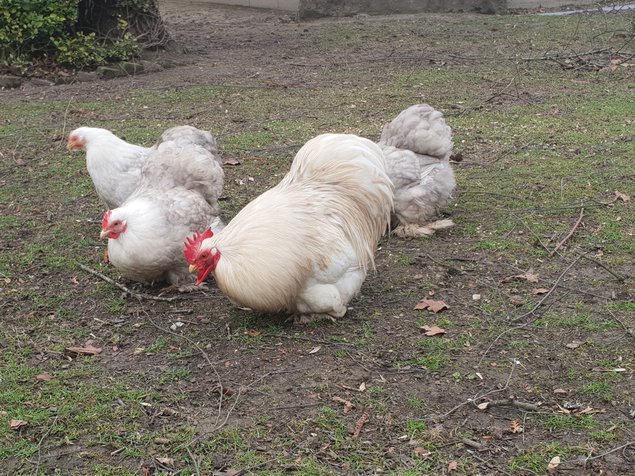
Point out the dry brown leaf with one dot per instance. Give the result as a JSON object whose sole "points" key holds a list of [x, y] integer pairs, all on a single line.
{"points": [[532, 278], [452, 465], [431, 305], [15, 424], [622, 196], [591, 411], [166, 461], [88, 350], [529, 276], [253, 332], [539, 291], [516, 427], [574, 344], [359, 424], [433, 330], [347, 405], [43, 376], [422, 452], [553, 464], [231, 161]]}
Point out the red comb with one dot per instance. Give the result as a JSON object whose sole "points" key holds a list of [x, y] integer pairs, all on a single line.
{"points": [[105, 218], [193, 244]]}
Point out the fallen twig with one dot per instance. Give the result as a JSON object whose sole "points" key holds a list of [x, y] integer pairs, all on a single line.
{"points": [[124, 288], [531, 311], [570, 234], [574, 55], [39, 445], [604, 267], [477, 396], [196, 468], [625, 445], [530, 407], [308, 339], [473, 444]]}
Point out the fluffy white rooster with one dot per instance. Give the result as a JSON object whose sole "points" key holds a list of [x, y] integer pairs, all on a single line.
{"points": [[417, 145], [178, 193], [115, 165], [304, 246]]}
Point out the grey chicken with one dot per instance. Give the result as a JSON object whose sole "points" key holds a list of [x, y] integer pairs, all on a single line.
{"points": [[417, 145]]}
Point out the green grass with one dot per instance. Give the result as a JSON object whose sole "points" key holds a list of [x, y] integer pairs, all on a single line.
{"points": [[535, 151]]}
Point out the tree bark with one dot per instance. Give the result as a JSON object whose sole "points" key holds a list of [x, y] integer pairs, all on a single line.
{"points": [[143, 22]]}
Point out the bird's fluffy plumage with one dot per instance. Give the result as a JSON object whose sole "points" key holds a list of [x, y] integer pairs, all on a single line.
{"points": [[114, 165], [178, 192], [305, 245], [417, 145], [151, 247]]}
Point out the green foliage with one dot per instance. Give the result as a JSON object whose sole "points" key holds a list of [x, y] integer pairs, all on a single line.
{"points": [[35, 30]]}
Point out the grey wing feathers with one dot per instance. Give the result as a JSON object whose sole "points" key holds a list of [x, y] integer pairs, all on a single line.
{"points": [[187, 135], [421, 129], [173, 164], [184, 208], [417, 145]]}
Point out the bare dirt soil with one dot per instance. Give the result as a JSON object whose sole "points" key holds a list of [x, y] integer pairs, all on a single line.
{"points": [[370, 394]]}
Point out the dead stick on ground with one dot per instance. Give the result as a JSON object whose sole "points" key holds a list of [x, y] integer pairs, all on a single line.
{"points": [[530, 407], [39, 445], [604, 267], [309, 339], [531, 311], [124, 288], [212, 366], [473, 444], [196, 468], [625, 445], [570, 234], [477, 396]]}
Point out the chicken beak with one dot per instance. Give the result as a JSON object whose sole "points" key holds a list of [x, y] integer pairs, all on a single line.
{"points": [[103, 234], [193, 268]]}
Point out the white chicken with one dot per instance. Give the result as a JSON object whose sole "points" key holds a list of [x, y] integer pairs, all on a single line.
{"points": [[178, 193], [115, 165], [417, 146], [304, 246]]}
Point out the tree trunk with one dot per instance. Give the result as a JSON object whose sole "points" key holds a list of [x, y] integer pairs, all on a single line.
{"points": [[142, 17]]}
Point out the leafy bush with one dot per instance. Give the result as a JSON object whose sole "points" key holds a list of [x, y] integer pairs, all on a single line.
{"points": [[46, 29]]}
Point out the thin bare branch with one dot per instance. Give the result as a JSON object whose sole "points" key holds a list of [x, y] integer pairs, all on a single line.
{"points": [[570, 234], [129, 291]]}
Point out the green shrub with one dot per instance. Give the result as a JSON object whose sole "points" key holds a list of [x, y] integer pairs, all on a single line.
{"points": [[46, 29]]}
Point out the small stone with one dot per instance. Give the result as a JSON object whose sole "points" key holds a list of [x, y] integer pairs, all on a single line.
{"points": [[131, 68], [41, 82], [151, 67], [10, 82], [107, 72], [86, 76]]}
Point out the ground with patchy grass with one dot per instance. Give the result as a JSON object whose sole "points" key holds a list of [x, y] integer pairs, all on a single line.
{"points": [[536, 363]]}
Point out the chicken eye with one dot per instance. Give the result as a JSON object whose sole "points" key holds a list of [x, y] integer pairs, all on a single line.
{"points": [[204, 255]]}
